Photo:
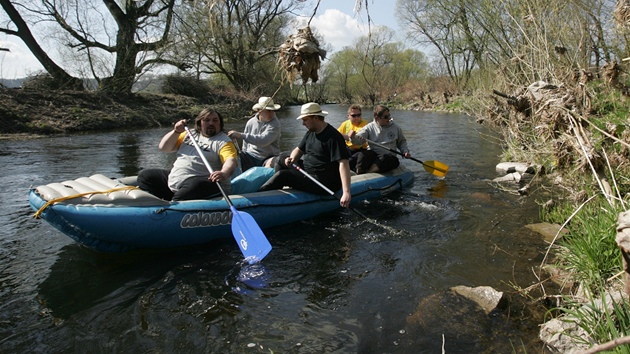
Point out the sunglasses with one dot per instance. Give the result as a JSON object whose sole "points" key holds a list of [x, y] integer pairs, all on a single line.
{"points": [[355, 115], [386, 117]]}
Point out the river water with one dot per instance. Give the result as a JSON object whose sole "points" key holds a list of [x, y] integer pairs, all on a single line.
{"points": [[332, 284]]}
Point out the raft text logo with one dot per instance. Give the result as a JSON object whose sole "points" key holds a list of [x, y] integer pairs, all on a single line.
{"points": [[202, 219]]}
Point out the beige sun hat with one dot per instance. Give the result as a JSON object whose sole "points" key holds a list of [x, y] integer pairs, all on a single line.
{"points": [[265, 103], [311, 109]]}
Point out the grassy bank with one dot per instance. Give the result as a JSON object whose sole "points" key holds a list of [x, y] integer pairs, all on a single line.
{"points": [[580, 136]]}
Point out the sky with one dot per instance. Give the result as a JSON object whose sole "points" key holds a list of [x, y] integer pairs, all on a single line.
{"points": [[336, 20], [340, 23]]}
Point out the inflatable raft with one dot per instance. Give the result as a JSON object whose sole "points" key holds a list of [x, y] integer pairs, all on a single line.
{"points": [[113, 215]]}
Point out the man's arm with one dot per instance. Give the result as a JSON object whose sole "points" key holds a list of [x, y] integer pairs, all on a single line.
{"points": [[342, 129], [295, 156], [361, 136], [344, 173], [402, 143], [229, 157], [171, 141]]}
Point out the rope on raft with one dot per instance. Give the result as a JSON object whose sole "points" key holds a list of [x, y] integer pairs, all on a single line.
{"points": [[61, 199]]}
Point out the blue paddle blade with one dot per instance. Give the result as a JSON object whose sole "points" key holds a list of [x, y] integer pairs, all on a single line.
{"points": [[250, 238]]}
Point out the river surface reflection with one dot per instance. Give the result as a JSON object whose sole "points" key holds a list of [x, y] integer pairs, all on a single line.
{"points": [[332, 284]]}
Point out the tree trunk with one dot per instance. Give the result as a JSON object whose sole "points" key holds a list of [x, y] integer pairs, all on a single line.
{"points": [[123, 78], [63, 79]]}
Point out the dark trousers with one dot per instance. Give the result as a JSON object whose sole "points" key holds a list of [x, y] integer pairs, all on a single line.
{"points": [[155, 181], [286, 176], [385, 162], [354, 155]]}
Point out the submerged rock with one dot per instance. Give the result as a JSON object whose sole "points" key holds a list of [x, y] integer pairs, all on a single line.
{"points": [[547, 230]]}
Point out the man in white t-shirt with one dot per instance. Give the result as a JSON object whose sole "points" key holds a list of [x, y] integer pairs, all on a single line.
{"points": [[189, 178]]}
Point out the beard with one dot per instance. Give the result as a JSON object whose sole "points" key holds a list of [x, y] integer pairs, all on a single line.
{"points": [[210, 131]]}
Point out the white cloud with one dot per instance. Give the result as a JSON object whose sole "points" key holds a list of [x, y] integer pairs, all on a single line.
{"points": [[19, 61], [338, 29]]}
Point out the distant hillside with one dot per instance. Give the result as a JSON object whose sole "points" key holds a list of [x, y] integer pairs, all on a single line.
{"points": [[147, 83], [10, 83]]}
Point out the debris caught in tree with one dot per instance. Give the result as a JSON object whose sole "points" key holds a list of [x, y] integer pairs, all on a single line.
{"points": [[622, 14], [300, 55]]}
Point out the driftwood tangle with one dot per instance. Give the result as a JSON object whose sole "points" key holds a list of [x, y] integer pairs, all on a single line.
{"points": [[300, 55], [623, 241]]}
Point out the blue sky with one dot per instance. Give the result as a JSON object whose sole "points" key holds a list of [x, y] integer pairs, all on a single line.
{"points": [[340, 24], [336, 20]]}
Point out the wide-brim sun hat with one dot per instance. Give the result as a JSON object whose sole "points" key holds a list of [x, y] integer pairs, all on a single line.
{"points": [[311, 109], [265, 103]]}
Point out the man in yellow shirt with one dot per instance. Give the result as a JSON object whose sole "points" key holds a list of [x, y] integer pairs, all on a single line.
{"points": [[349, 128]]}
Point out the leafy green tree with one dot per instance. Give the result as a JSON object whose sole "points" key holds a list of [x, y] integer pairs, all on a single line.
{"points": [[375, 69], [340, 70]]}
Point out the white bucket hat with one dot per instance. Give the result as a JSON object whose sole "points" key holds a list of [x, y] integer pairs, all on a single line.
{"points": [[265, 103], [311, 109]]}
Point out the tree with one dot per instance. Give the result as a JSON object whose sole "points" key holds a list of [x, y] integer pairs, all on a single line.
{"points": [[236, 39], [526, 40], [374, 69], [59, 75], [134, 32], [451, 27], [340, 70]]}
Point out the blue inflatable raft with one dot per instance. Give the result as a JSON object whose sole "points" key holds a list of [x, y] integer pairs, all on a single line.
{"points": [[112, 215]]}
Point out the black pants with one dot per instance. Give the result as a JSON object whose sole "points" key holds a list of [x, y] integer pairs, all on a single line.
{"points": [[286, 176], [155, 181], [385, 162], [354, 155]]}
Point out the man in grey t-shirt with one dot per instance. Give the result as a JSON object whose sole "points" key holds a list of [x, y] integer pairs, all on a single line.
{"points": [[384, 131]]}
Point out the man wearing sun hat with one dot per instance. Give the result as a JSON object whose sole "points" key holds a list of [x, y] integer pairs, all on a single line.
{"points": [[322, 153], [261, 137]]}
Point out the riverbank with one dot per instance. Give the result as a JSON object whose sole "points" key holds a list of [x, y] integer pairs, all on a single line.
{"points": [[26, 113], [31, 113]]}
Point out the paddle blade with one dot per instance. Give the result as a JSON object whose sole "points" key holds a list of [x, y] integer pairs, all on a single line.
{"points": [[250, 238], [436, 168]]}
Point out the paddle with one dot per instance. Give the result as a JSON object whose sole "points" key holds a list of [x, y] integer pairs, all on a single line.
{"points": [[250, 238], [326, 188], [436, 168], [373, 222]]}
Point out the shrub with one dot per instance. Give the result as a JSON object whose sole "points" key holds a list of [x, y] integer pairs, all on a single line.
{"points": [[41, 81], [187, 86]]}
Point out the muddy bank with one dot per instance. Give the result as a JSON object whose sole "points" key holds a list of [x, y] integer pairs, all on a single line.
{"points": [[28, 113]]}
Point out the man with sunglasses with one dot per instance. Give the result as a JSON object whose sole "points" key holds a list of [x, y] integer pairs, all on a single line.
{"points": [[349, 128], [384, 131]]}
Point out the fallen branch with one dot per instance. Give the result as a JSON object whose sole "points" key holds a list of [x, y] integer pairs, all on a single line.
{"points": [[608, 345]]}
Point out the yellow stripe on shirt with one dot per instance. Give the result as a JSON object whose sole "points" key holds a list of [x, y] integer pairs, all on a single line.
{"points": [[228, 151], [180, 140]]}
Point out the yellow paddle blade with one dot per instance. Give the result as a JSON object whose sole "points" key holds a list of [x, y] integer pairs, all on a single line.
{"points": [[436, 168]]}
